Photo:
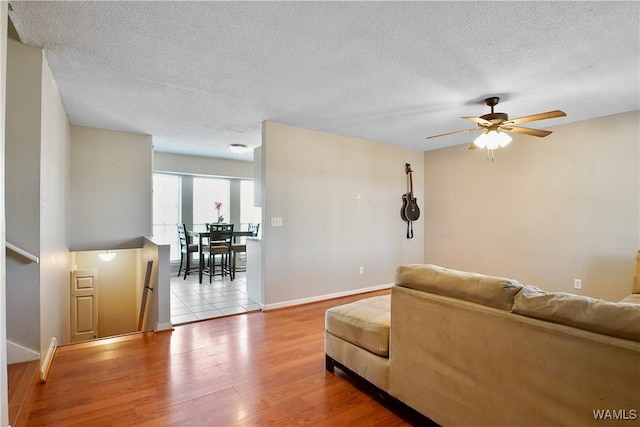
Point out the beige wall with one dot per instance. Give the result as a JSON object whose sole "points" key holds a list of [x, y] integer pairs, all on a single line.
{"points": [[117, 287], [22, 191], [340, 201], [111, 182], [545, 211], [55, 259], [37, 191]]}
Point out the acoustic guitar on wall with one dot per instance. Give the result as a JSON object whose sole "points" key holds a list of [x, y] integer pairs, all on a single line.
{"points": [[410, 210]]}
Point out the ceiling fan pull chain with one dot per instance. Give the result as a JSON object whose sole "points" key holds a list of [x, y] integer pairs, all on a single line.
{"points": [[490, 151]]}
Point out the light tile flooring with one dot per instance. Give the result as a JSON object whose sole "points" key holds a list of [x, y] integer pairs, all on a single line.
{"points": [[191, 301]]}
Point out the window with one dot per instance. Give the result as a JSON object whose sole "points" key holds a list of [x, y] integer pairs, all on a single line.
{"points": [[199, 206], [166, 210], [248, 212], [206, 192]]}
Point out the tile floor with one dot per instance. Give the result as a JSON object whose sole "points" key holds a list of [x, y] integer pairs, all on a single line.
{"points": [[191, 301]]}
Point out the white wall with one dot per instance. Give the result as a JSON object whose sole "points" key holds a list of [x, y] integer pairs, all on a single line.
{"points": [[187, 201], [340, 201], [111, 183], [22, 191], [545, 211], [54, 186], [257, 175], [4, 401], [198, 165]]}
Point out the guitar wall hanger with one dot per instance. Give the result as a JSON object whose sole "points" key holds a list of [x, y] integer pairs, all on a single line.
{"points": [[410, 211]]}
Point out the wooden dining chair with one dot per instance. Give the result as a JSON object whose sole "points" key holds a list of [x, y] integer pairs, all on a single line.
{"points": [[186, 251], [220, 241], [241, 247]]}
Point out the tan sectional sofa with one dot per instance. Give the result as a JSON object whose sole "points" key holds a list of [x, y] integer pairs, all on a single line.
{"points": [[468, 349]]}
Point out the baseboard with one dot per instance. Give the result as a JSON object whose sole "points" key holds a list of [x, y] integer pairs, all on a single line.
{"points": [[165, 326], [290, 303], [20, 354], [45, 365]]}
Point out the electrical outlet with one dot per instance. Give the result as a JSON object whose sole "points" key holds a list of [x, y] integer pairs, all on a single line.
{"points": [[361, 270], [276, 221], [577, 284]]}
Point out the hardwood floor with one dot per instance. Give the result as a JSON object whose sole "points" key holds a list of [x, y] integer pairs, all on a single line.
{"points": [[256, 368], [22, 378]]}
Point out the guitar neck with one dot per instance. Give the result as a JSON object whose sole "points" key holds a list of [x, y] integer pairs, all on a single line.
{"points": [[411, 184]]}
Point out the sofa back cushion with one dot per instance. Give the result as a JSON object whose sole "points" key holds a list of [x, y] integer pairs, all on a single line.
{"points": [[491, 291], [616, 319]]}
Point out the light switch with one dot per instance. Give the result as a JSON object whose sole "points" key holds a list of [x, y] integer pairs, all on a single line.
{"points": [[276, 221]]}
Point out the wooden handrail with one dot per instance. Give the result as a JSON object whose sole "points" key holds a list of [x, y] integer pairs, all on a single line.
{"points": [[22, 252]]}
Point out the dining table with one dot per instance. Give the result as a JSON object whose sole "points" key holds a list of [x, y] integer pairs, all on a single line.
{"points": [[202, 235]]}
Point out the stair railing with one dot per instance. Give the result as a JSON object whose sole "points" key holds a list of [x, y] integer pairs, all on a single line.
{"points": [[22, 252]]}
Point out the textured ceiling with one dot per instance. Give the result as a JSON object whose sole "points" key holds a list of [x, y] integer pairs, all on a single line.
{"points": [[201, 75]]}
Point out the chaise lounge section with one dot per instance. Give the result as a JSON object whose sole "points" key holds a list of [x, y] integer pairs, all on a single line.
{"points": [[357, 336], [470, 349]]}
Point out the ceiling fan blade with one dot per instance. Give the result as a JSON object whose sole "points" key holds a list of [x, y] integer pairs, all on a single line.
{"points": [[472, 146], [527, 131], [452, 133], [479, 120], [533, 117]]}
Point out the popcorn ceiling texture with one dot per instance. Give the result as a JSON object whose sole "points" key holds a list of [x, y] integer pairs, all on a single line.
{"points": [[201, 75]]}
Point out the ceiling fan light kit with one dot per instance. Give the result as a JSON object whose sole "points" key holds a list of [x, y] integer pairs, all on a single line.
{"points": [[495, 126], [492, 139]]}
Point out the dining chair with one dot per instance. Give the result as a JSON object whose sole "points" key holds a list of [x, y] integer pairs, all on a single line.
{"points": [[241, 247], [186, 251], [220, 241]]}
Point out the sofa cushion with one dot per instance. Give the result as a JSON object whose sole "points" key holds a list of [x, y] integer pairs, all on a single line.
{"points": [[491, 291], [616, 319], [364, 323]]}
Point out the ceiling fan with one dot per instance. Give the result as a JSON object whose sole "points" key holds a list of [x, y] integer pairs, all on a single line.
{"points": [[493, 123]]}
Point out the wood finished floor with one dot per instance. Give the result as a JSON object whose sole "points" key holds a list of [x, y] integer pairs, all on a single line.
{"points": [[21, 380], [249, 369]]}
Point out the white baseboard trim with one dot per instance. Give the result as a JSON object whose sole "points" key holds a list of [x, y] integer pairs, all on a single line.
{"points": [[19, 354], [166, 326], [290, 303], [46, 363]]}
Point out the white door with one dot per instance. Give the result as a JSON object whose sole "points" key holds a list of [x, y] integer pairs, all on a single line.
{"points": [[84, 305]]}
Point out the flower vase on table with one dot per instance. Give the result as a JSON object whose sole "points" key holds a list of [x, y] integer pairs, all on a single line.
{"points": [[218, 206]]}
